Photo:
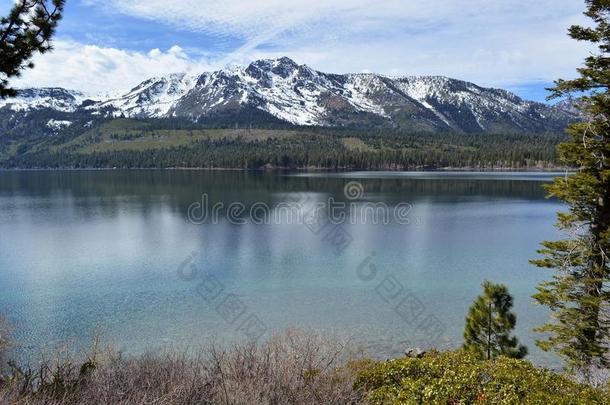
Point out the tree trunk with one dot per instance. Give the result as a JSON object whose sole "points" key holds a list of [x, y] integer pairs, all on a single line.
{"points": [[489, 332], [598, 269]]}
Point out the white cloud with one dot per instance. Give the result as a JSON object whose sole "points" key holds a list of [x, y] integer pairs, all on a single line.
{"points": [[95, 69], [491, 42]]}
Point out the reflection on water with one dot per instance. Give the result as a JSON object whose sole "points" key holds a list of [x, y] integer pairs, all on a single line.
{"points": [[81, 249]]}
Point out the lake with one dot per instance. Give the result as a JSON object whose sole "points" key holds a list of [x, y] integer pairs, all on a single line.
{"points": [[158, 259]]}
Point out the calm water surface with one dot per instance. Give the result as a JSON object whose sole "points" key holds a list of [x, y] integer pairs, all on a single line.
{"points": [[81, 250]]}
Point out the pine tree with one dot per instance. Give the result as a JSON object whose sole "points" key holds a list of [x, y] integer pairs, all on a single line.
{"points": [[578, 295], [26, 30], [489, 324]]}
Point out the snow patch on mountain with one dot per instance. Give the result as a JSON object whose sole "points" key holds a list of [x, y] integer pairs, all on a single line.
{"points": [[58, 124], [152, 98], [360, 87], [54, 98]]}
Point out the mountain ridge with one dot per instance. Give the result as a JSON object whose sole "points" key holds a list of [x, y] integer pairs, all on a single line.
{"points": [[299, 95]]}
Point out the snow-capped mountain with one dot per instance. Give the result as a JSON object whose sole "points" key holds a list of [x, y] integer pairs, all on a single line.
{"points": [[151, 98], [300, 95], [54, 98]]}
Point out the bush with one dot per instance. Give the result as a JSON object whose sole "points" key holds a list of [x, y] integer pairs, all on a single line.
{"points": [[460, 378], [4, 344], [291, 368]]}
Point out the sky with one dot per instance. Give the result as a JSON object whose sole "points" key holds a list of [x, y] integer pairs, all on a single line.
{"points": [[109, 46]]}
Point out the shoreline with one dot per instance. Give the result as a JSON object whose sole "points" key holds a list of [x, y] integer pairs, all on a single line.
{"points": [[296, 170]]}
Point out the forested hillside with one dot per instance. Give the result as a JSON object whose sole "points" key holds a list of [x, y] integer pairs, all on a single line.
{"points": [[153, 143]]}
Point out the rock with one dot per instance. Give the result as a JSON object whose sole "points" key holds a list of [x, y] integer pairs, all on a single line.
{"points": [[415, 352]]}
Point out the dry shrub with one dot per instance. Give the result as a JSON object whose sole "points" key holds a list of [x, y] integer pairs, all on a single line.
{"points": [[4, 342], [295, 367]]}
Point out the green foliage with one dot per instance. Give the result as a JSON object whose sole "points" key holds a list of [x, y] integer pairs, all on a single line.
{"points": [[579, 293], [26, 30], [95, 142], [461, 378], [489, 324]]}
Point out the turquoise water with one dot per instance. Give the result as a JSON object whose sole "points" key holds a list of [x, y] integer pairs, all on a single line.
{"points": [[116, 251]]}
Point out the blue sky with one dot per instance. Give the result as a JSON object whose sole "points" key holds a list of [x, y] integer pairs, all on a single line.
{"points": [[111, 45]]}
